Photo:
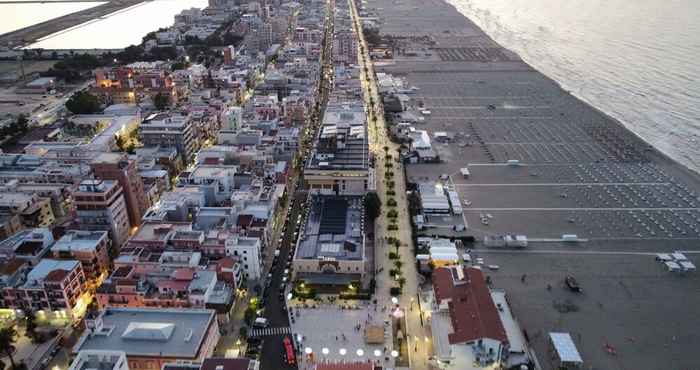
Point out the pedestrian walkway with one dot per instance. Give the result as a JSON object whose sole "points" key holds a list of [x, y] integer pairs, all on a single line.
{"points": [[269, 331]]}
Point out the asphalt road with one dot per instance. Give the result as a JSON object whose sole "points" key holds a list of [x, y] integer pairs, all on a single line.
{"points": [[272, 354]]}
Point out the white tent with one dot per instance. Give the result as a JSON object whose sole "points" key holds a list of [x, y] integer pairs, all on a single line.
{"points": [[566, 349]]}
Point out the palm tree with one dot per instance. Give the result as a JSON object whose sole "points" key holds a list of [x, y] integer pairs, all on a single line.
{"points": [[398, 264], [31, 324], [8, 336], [402, 282]]}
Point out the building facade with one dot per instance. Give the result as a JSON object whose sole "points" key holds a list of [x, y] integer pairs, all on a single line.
{"points": [[100, 205], [118, 167]]}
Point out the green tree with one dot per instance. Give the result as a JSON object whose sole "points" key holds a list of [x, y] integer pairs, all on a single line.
{"points": [[243, 332], [120, 143], [402, 282], [249, 315], [19, 126], [83, 102], [373, 205], [161, 101], [31, 324], [8, 336], [178, 65]]}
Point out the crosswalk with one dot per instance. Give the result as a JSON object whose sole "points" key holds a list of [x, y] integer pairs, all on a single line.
{"points": [[269, 331]]}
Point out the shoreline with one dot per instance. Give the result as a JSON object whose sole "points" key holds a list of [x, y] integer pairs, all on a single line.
{"points": [[617, 118], [653, 151]]}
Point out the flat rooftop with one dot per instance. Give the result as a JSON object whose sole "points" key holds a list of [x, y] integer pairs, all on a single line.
{"points": [[159, 231], [334, 229], [342, 140], [44, 269], [176, 333], [107, 157], [79, 241]]}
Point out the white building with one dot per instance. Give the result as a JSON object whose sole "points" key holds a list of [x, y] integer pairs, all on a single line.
{"points": [[248, 251]]}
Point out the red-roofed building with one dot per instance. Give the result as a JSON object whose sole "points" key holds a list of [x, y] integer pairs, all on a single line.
{"points": [[466, 320]]}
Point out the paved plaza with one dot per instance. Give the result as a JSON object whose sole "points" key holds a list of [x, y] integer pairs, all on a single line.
{"points": [[335, 329]]}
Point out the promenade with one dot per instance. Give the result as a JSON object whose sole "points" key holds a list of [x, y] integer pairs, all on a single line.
{"points": [[576, 171], [418, 335]]}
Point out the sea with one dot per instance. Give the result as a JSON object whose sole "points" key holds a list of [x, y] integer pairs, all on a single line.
{"points": [[633, 59]]}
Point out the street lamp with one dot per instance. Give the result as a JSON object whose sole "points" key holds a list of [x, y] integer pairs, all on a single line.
{"points": [[308, 350], [377, 353], [343, 351], [360, 352], [325, 351], [394, 353]]}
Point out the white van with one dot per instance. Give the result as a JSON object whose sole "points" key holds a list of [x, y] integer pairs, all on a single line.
{"points": [[260, 322]]}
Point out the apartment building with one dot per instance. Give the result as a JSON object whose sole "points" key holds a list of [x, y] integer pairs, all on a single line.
{"points": [[129, 85], [345, 46], [248, 252], [173, 287], [118, 167], [54, 287], [170, 130], [32, 210], [100, 205], [9, 224], [28, 245], [90, 248]]}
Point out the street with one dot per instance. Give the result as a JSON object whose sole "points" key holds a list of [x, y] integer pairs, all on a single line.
{"points": [[418, 333], [274, 295]]}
